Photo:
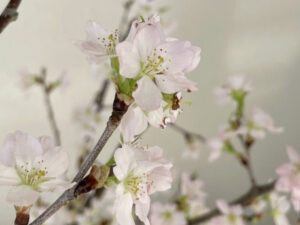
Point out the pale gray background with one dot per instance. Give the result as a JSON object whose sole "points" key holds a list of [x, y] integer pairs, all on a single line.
{"points": [[258, 38]]}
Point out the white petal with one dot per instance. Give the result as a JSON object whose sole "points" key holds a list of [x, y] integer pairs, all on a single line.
{"points": [[223, 206], [147, 95], [162, 180], [47, 143], [294, 156], [22, 196], [129, 59], [123, 209], [95, 31], [9, 176], [54, 184], [142, 210], [133, 123], [195, 61], [124, 158], [172, 83], [21, 146]]}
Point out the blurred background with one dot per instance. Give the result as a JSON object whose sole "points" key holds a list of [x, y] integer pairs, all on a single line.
{"points": [[260, 39]]}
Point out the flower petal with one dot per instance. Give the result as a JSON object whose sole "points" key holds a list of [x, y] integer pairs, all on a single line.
{"points": [[142, 210], [22, 196], [129, 59], [124, 157], [8, 176], [133, 123], [147, 95], [123, 207]]}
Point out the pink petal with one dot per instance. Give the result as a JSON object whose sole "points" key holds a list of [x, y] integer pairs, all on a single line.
{"points": [[147, 95], [22, 196]]}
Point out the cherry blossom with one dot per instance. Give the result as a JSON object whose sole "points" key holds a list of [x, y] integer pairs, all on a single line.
{"points": [[259, 123], [221, 142], [157, 63], [192, 150], [280, 206], [289, 177], [193, 196], [31, 165], [232, 214], [100, 44], [166, 214], [236, 87], [141, 172]]}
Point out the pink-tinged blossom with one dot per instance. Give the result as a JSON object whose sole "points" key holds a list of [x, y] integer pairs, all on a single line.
{"points": [[233, 215], [135, 120], [31, 165], [259, 123], [141, 172], [166, 214], [192, 150], [100, 44], [193, 196], [221, 142], [157, 63], [289, 177], [236, 85], [258, 205], [280, 207]]}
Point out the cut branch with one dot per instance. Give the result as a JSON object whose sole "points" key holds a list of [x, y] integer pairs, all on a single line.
{"points": [[243, 200], [119, 108], [100, 96], [9, 14]]}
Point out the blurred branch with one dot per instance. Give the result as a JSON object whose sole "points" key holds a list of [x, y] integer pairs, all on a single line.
{"points": [[119, 108], [9, 14], [125, 23], [49, 107], [100, 96], [243, 200], [187, 133]]}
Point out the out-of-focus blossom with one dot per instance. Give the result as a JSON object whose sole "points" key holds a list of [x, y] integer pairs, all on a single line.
{"points": [[157, 63], [166, 214], [193, 196], [221, 142], [100, 44], [88, 119], [232, 214], [258, 205], [289, 177], [27, 79], [31, 165], [236, 87], [141, 172], [192, 150], [280, 207], [259, 123]]}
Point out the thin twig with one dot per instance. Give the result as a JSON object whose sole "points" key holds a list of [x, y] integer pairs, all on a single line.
{"points": [[9, 14], [185, 132], [243, 200], [125, 24], [49, 107], [119, 108]]}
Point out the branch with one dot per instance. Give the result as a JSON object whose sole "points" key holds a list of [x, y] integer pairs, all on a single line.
{"points": [[9, 14], [243, 200], [187, 133], [49, 108], [125, 24], [100, 96], [119, 108]]}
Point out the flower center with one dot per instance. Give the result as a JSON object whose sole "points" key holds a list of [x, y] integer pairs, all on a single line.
{"points": [[156, 63], [109, 42], [32, 176], [136, 184], [167, 215]]}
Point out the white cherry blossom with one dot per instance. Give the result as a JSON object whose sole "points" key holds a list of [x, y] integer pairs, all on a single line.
{"points": [[31, 165], [235, 86], [141, 172], [259, 122], [289, 177], [280, 207], [157, 63], [232, 214], [100, 44], [166, 214]]}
